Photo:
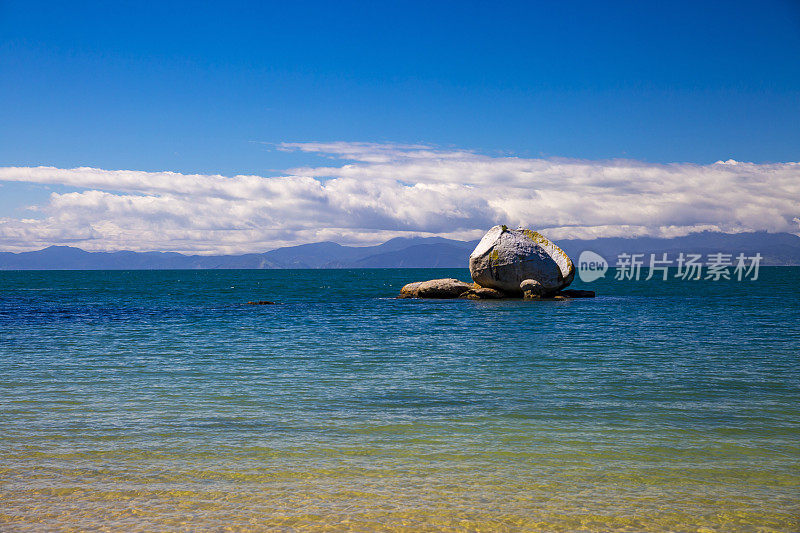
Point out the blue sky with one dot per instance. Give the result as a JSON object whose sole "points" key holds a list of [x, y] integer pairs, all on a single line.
{"points": [[214, 88]]}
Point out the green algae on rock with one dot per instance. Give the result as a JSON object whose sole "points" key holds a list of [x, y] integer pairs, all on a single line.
{"points": [[505, 258]]}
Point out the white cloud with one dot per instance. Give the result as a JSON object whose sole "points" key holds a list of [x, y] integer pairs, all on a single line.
{"points": [[373, 192]]}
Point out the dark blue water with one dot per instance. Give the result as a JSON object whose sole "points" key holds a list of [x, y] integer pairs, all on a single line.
{"points": [[153, 400]]}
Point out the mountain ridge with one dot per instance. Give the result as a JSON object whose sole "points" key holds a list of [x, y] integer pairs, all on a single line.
{"points": [[400, 252]]}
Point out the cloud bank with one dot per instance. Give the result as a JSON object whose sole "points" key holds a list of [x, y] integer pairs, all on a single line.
{"points": [[372, 192]]}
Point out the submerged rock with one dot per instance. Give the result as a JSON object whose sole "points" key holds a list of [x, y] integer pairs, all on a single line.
{"points": [[505, 258], [567, 294], [576, 293]]}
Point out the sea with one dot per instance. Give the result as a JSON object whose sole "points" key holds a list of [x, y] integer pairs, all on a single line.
{"points": [[161, 401]]}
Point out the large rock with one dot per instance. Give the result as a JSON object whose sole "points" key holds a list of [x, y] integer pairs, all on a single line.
{"points": [[506, 257], [435, 288]]}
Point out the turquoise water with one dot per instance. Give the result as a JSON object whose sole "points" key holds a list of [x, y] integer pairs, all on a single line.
{"points": [[157, 401]]}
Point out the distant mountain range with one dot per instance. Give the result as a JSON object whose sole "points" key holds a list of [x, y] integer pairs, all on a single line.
{"points": [[416, 252], [775, 248]]}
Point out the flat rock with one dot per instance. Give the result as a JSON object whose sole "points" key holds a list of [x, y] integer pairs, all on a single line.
{"points": [[504, 258], [453, 288], [435, 288]]}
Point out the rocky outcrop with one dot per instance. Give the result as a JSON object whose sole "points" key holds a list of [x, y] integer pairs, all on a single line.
{"points": [[508, 263], [504, 258]]}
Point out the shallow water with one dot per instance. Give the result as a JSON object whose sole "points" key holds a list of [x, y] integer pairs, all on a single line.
{"points": [[157, 401]]}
